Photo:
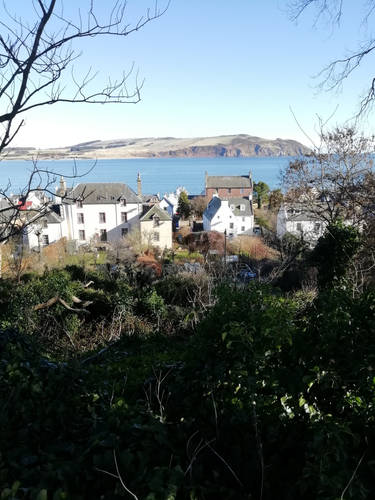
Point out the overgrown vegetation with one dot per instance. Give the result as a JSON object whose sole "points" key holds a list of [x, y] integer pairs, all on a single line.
{"points": [[118, 383]]}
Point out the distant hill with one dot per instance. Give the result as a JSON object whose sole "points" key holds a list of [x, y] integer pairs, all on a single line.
{"points": [[230, 146]]}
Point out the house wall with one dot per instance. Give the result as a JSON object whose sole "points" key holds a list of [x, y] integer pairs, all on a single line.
{"points": [[306, 229], [92, 224], [228, 192], [300, 228], [224, 218], [165, 205], [163, 229], [281, 222], [53, 231]]}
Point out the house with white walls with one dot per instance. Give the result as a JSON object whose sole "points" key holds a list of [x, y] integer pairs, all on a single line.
{"points": [[104, 211], [167, 205], [169, 202], [156, 228], [41, 230], [233, 215], [300, 221]]}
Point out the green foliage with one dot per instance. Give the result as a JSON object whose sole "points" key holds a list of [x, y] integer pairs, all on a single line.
{"points": [[334, 252], [184, 206], [261, 190], [270, 393]]}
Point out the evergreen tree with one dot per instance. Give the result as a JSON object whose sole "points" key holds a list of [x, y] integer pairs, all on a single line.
{"points": [[184, 207]]}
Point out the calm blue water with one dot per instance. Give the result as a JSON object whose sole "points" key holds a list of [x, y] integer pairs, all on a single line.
{"points": [[158, 175]]}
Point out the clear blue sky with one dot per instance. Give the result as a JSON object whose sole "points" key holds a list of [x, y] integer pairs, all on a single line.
{"points": [[211, 67]]}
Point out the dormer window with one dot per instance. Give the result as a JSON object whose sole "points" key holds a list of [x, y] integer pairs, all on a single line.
{"points": [[79, 203], [123, 202], [232, 207], [98, 197], [156, 220], [242, 208]]}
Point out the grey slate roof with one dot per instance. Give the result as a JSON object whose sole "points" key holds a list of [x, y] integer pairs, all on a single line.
{"points": [[212, 208], [150, 198], [7, 212], [52, 218], [237, 201], [228, 181], [298, 212], [155, 211], [93, 193]]}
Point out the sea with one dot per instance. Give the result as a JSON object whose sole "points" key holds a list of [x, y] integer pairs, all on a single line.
{"points": [[159, 175]]}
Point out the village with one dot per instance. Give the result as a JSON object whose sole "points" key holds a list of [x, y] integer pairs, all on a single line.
{"points": [[227, 218]]}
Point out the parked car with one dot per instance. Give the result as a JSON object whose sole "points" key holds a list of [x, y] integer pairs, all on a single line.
{"points": [[245, 273]]}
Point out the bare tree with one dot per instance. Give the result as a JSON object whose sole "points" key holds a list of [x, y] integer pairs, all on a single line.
{"points": [[336, 181], [336, 72], [37, 57]]}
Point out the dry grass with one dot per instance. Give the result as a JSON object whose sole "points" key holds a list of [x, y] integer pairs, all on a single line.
{"points": [[253, 246]]}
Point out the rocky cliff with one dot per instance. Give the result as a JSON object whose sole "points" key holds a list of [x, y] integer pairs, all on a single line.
{"points": [[241, 145]]}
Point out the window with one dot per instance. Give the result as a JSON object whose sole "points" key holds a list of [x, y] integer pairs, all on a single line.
{"points": [[299, 226], [102, 217], [317, 227], [45, 224], [242, 229], [81, 235], [124, 231], [242, 208], [243, 219], [231, 225], [80, 218], [156, 236], [229, 190], [103, 235], [123, 202], [45, 239], [124, 217], [79, 204]]}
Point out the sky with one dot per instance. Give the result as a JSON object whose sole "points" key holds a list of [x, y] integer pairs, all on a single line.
{"points": [[210, 67]]}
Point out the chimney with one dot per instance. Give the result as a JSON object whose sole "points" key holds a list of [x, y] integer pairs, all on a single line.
{"points": [[62, 187], [139, 185]]}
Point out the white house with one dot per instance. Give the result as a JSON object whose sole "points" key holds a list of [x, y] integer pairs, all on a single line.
{"points": [[169, 202], [233, 215], [45, 229], [100, 211], [156, 228], [297, 219], [169, 207]]}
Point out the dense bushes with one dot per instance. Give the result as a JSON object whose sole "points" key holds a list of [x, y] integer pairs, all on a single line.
{"points": [[113, 385]]}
